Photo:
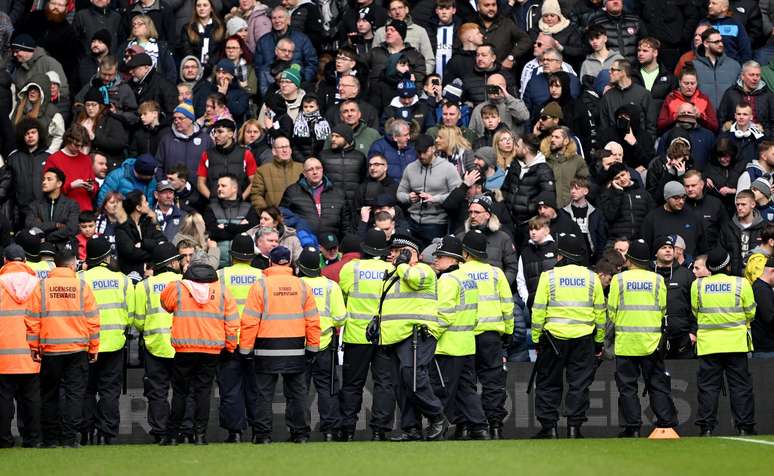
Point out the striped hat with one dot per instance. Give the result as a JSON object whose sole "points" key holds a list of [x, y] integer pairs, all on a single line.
{"points": [[293, 74], [186, 109]]}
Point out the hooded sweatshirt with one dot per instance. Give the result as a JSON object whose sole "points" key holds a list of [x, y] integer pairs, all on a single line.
{"points": [[438, 179], [17, 281]]}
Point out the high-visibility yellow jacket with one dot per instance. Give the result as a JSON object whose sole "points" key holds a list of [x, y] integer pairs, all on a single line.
{"points": [[330, 305], [150, 319], [410, 301], [114, 293], [636, 305], [457, 313], [361, 282], [495, 300], [724, 307]]}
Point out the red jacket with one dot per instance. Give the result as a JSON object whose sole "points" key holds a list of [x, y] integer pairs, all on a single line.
{"points": [[75, 167], [332, 271], [707, 116]]}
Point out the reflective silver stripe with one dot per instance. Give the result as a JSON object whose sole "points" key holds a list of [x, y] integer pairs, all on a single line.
{"points": [[328, 291], [360, 316], [489, 298], [231, 337], [113, 305], [80, 295], [326, 331], [410, 295], [567, 320], [240, 301], [89, 314], [156, 331], [571, 304], [211, 343], [66, 314], [15, 351], [313, 348], [231, 317], [536, 326], [722, 310], [65, 340], [112, 327], [591, 289], [199, 315], [460, 328], [148, 303], [364, 295], [698, 292], [156, 310], [639, 307], [221, 276], [551, 287], [490, 319], [539, 306], [283, 317], [637, 329], [738, 292], [280, 352], [724, 325], [415, 317], [621, 294], [251, 313], [11, 313], [43, 297]]}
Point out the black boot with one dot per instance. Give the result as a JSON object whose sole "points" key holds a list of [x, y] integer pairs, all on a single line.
{"points": [[168, 441], [409, 435], [87, 438], [328, 436], [629, 432], [437, 429], [299, 438], [546, 433], [103, 439], [705, 431], [496, 432], [233, 437], [461, 432], [200, 439], [574, 433], [379, 436], [261, 439], [346, 435], [746, 431], [479, 435]]}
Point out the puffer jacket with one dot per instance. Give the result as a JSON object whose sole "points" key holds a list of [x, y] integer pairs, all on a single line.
{"points": [[623, 32], [345, 167], [714, 80], [705, 110], [334, 215], [761, 99], [271, 180], [500, 249], [523, 183], [625, 210], [175, 148], [672, 22], [155, 87], [397, 159], [474, 83], [130, 257], [123, 180], [27, 171], [111, 138]]}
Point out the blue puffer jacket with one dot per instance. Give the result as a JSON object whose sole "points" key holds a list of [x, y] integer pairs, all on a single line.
{"points": [[304, 54], [397, 160], [123, 181]]}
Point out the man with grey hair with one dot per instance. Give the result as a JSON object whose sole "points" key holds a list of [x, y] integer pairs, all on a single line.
{"points": [[542, 43], [536, 93], [396, 146], [303, 54], [751, 89], [266, 239], [349, 88]]}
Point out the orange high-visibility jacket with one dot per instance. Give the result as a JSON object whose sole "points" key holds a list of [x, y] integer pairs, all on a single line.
{"points": [[62, 316], [17, 282], [280, 318], [204, 316]]}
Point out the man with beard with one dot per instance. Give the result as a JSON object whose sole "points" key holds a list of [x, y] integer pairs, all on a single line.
{"points": [[509, 42], [52, 32]]}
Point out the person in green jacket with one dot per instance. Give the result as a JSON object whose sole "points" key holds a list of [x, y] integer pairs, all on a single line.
{"points": [[636, 306]]}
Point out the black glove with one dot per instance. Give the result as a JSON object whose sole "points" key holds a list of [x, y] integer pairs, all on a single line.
{"points": [[372, 331], [507, 340], [311, 357], [598, 348], [403, 257]]}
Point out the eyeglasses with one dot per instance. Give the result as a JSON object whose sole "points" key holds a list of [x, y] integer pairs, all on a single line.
{"points": [[286, 50], [552, 60], [281, 147]]}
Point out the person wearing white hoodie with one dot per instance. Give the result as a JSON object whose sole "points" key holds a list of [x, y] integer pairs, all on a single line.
{"points": [[19, 374]]}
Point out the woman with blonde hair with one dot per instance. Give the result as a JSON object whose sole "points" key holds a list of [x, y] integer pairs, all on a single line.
{"points": [[451, 145], [192, 228], [203, 36], [252, 137], [34, 102], [505, 148], [145, 35]]}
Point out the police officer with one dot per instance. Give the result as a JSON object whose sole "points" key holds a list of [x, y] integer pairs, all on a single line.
{"points": [[636, 306], [114, 293], [281, 325], [454, 379], [569, 307], [31, 242], [362, 282], [154, 325], [19, 374], [494, 330], [330, 304], [724, 307], [236, 372], [408, 326], [63, 334]]}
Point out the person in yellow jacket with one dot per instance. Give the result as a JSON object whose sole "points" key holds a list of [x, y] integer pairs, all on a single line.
{"points": [[724, 307], [636, 306], [31, 242], [568, 329], [408, 326], [114, 293], [494, 330], [454, 378], [362, 282], [154, 325], [19, 374], [756, 262], [236, 373], [330, 304]]}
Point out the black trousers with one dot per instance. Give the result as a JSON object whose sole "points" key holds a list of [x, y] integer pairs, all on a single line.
{"points": [[25, 389], [712, 368], [68, 373], [327, 405], [156, 383], [461, 402], [680, 347], [295, 390], [422, 402], [192, 374], [358, 358], [575, 363], [105, 376], [657, 382], [238, 392], [489, 370]]}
